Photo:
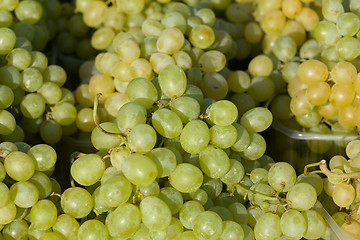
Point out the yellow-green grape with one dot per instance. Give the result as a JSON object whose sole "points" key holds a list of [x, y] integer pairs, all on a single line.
{"points": [[202, 36], [309, 120], [280, 107], [114, 103], [347, 117], [296, 31], [342, 95], [312, 71], [302, 196], [30, 12], [142, 138], [343, 194], [43, 214], [131, 7], [273, 22], [174, 18], [77, 202], [282, 176], [214, 86], [7, 122], [344, 73], [260, 65], [212, 61], [94, 166], [170, 41], [167, 123], [8, 40], [172, 80], [101, 83], [183, 60], [293, 224], [261, 88], [316, 225], [318, 93], [352, 228], [195, 136], [284, 48], [102, 38], [152, 27], [257, 119], [253, 32], [308, 18], [222, 112], [76, 25], [94, 13], [291, 8], [156, 214], [348, 48], [160, 60], [332, 10], [299, 104], [208, 224], [238, 81], [267, 226], [114, 19]]}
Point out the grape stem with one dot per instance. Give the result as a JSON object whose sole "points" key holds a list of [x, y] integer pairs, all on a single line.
{"points": [[96, 103], [262, 196], [328, 173]]}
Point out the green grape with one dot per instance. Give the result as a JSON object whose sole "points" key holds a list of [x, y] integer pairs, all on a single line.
{"points": [[44, 155], [103, 141], [256, 148], [7, 213], [172, 80], [284, 48], [309, 120], [186, 178], [34, 233], [212, 186], [50, 131], [348, 48], [39, 60], [30, 12], [7, 122], [194, 136], [42, 183], [186, 107], [310, 49], [348, 24], [235, 174], [164, 159], [5, 194], [223, 136], [282, 176], [43, 214], [170, 40], [19, 58], [207, 225], [150, 190], [214, 85], [139, 169], [212, 61], [10, 77], [239, 81], [222, 112], [172, 198], [77, 202], [259, 175], [222, 211], [267, 227], [52, 236], [313, 179], [130, 115], [188, 213], [64, 113], [239, 213], [167, 123], [115, 191], [19, 166], [332, 10], [102, 38], [51, 92], [155, 213], [293, 224], [214, 162], [260, 65], [142, 91], [17, 229], [243, 138], [202, 36], [24, 194], [100, 206], [32, 105], [343, 194], [142, 138], [7, 39], [257, 119], [316, 225], [56, 74], [87, 169], [302, 196], [231, 230], [173, 19], [261, 88], [94, 229], [67, 226]]}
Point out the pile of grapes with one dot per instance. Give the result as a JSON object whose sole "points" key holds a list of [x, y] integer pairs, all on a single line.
{"points": [[152, 119]]}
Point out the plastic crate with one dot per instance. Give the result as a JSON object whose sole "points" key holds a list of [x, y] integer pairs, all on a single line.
{"points": [[299, 148]]}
